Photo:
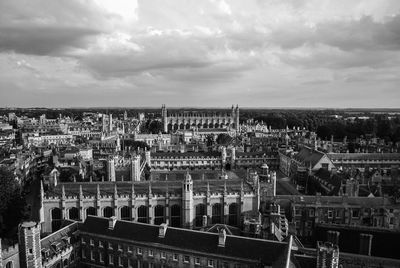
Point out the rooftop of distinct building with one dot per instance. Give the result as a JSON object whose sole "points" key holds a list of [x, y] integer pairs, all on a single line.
{"points": [[364, 156], [265, 251], [144, 187]]}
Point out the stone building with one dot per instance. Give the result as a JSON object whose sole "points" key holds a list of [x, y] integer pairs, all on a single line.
{"points": [[181, 203], [188, 120]]}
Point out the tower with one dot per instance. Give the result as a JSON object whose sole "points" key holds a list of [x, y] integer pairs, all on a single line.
{"points": [[164, 117], [111, 169], [103, 123], [29, 245], [110, 123], [187, 195], [148, 158], [237, 117], [223, 155], [135, 168]]}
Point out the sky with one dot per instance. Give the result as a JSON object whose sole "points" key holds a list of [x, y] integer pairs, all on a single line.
{"points": [[208, 53]]}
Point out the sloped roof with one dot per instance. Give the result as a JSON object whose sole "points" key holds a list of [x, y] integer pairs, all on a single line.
{"points": [[265, 251], [363, 156], [309, 156]]}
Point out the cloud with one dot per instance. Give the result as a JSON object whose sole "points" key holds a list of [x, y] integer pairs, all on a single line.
{"points": [[207, 52]]}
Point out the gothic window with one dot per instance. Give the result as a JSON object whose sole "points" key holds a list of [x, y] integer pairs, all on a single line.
{"points": [[159, 214], [55, 219], [125, 213], [176, 216], [216, 214], [233, 214], [108, 212], [73, 214], [200, 211], [91, 211], [142, 214]]}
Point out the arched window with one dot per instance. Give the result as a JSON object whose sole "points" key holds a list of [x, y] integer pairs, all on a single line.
{"points": [[56, 217], [200, 211], [91, 211], [233, 214], [10, 264], [108, 212], [73, 214], [175, 216], [125, 213], [142, 214], [159, 215], [216, 214]]}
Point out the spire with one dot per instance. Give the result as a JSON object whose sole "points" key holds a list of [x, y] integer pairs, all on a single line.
{"points": [[208, 188], [98, 191], [241, 187], [80, 191], [225, 190], [115, 190], [63, 192], [41, 190]]}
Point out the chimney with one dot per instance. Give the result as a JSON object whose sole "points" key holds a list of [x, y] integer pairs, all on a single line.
{"points": [[204, 222], [221, 237], [111, 222], [162, 230], [365, 244], [333, 237]]}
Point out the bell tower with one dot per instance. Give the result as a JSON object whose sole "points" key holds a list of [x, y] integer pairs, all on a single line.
{"points": [[187, 196]]}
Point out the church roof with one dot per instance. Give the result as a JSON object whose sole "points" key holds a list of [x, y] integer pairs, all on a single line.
{"points": [[265, 251]]}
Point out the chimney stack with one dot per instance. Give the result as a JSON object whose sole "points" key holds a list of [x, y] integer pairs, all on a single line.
{"points": [[221, 237], [162, 230], [111, 222], [365, 244]]}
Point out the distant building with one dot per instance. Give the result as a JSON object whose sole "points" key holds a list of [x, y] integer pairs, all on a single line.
{"points": [[188, 120]]}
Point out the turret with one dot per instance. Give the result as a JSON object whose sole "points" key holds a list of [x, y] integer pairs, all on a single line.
{"points": [[237, 117], [29, 245], [135, 168], [187, 198], [164, 118], [223, 155], [110, 123], [148, 158], [110, 169]]}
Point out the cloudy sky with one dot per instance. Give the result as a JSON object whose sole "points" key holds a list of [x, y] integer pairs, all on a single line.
{"points": [[260, 53]]}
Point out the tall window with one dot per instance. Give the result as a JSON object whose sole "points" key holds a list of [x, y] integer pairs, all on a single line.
{"points": [[142, 214], [125, 213], [73, 214], [200, 211], [108, 212], [91, 211], [159, 215], [55, 219], [175, 216], [216, 214], [233, 214]]}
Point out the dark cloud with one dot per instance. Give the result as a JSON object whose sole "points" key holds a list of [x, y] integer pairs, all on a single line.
{"points": [[365, 34], [43, 40]]}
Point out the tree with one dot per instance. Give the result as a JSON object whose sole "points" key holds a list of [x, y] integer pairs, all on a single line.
{"points": [[8, 186], [12, 203], [223, 139]]}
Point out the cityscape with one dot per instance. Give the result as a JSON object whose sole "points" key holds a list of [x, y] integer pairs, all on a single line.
{"points": [[157, 134]]}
